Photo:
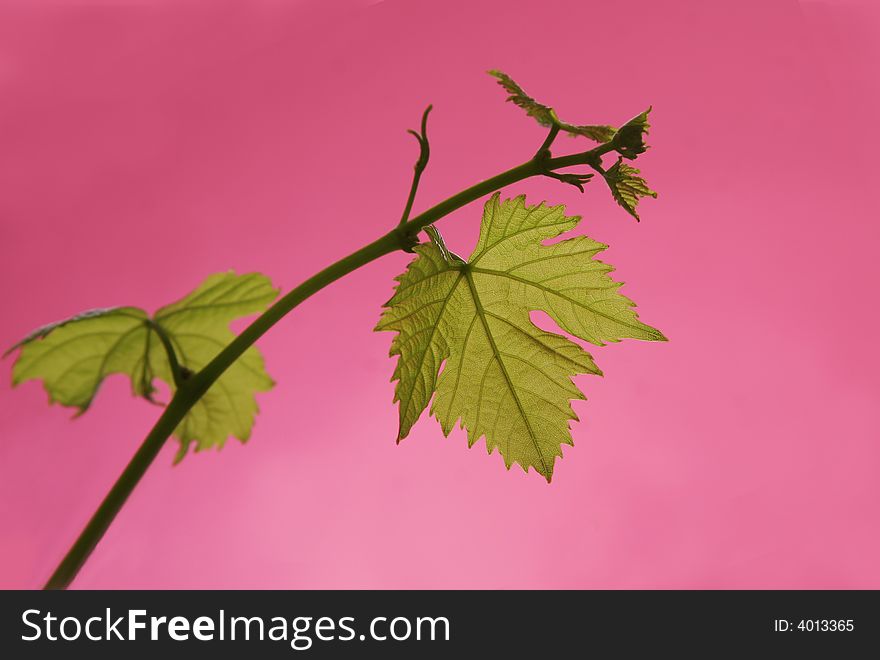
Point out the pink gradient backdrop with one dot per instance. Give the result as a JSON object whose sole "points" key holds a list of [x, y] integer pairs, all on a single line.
{"points": [[147, 144]]}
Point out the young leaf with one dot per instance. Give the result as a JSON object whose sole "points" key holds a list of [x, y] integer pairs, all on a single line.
{"points": [[504, 378], [631, 136], [545, 115], [627, 186], [72, 357]]}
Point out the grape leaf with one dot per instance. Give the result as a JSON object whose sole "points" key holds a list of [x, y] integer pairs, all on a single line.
{"points": [[631, 136], [502, 377], [73, 357], [545, 115], [627, 186]]}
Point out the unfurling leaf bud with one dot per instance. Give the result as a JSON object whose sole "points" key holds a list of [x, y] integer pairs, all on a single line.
{"points": [[630, 139]]}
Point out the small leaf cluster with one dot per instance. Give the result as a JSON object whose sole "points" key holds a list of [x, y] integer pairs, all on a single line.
{"points": [[628, 141]]}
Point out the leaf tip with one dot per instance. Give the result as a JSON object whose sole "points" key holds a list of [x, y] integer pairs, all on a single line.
{"points": [[182, 452], [402, 433], [81, 410]]}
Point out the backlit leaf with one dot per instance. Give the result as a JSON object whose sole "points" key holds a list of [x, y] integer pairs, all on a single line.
{"points": [[627, 186], [465, 337], [545, 115], [73, 357]]}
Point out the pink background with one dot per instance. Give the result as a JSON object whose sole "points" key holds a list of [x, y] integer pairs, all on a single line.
{"points": [[147, 144]]}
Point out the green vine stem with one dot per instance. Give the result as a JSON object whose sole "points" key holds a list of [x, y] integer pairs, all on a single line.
{"points": [[191, 389]]}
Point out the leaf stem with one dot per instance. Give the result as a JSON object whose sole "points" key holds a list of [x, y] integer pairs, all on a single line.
{"points": [[401, 237], [176, 371], [544, 149]]}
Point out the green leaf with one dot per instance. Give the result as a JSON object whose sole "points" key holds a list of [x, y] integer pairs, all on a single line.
{"points": [[502, 377], [627, 186], [630, 140], [73, 357], [545, 115]]}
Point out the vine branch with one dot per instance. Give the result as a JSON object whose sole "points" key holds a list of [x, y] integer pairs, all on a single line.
{"points": [[401, 237]]}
